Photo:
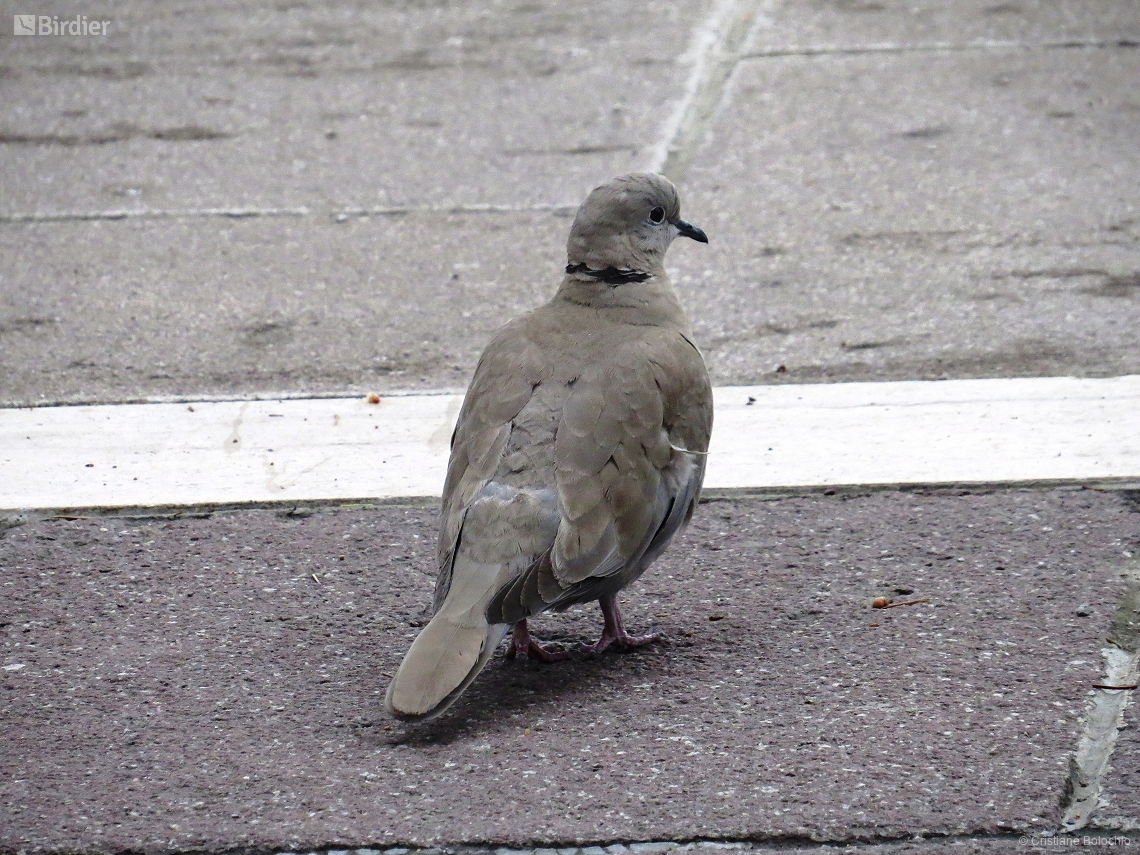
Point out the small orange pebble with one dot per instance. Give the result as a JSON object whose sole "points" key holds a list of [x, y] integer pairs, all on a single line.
{"points": [[373, 398], [880, 602]]}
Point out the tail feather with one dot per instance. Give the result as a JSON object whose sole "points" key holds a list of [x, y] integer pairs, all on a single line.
{"points": [[441, 663], [453, 648]]}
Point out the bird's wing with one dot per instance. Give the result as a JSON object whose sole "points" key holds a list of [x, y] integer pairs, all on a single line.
{"points": [[508, 372], [628, 461], [492, 528]]}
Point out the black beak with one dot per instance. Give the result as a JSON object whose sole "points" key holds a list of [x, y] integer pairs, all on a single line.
{"points": [[690, 231]]}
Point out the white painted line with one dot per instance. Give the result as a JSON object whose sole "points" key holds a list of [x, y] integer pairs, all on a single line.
{"points": [[224, 451], [951, 431], [221, 452]]}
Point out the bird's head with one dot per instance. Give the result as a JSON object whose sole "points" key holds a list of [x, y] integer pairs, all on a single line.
{"points": [[627, 224]]}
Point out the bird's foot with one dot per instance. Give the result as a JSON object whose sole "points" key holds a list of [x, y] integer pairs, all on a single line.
{"points": [[614, 634], [621, 640], [523, 642]]}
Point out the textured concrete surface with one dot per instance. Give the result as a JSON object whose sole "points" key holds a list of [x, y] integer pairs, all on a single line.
{"points": [[336, 104], [887, 196], [893, 190], [189, 684], [920, 215], [856, 24], [1122, 791], [203, 305], [1004, 844]]}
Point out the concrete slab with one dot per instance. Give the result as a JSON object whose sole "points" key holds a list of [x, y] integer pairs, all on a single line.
{"points": [[1121, 807], [845, 248], [919, 215], [987, 845], [981, 846], [880, 23], [233, 452], [336, 104], [189, 684], [1119, 796], [122, 310], [1005, 844]]}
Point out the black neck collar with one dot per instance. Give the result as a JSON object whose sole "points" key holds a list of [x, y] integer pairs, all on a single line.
{"points": [[610, 275]]}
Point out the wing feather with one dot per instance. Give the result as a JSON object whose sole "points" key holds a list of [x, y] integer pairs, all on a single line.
{"points": [[626, 457]]}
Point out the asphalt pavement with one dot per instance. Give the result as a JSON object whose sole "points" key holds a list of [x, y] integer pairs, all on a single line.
{"points": [[237, 199], [216, 683]]}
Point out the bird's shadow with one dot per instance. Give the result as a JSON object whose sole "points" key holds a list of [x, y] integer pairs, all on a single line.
{"points": [[507, 687]]}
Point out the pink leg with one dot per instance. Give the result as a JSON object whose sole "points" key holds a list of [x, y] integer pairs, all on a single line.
{"points": [[521, 642], [614, 633]]}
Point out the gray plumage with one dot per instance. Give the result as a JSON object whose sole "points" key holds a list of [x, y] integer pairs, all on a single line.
{"points": [[579, 450]]}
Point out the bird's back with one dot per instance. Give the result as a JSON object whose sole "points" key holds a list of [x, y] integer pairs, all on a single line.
{"points": [[618, 379]]}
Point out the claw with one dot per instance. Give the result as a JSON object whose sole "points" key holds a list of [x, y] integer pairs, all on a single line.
{"points": [[522, 642], [624, 641], [614, 634]]}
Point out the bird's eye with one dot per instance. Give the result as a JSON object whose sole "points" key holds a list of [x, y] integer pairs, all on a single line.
{"points": [[657, 215]]}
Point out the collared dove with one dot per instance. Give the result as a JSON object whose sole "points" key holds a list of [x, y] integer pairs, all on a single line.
{"points": [[579, 450]]}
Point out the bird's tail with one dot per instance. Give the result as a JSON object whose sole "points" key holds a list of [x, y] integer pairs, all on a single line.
{"points": [[450, 651]]}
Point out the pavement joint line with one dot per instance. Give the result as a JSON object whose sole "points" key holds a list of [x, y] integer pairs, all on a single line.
{"points": [[938, 47], [230, 397], [715, 52], [1105, 825], [300, 451], [705, 38], [1090, 764], [252, 212], [700, 845], [291, 508]]}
